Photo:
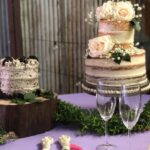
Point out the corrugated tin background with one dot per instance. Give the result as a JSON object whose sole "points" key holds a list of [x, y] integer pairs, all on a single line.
{"points": [[4, 34], [56, 32]]}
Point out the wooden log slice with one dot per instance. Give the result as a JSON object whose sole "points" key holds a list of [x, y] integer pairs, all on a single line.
{"points": [[28, 119]]}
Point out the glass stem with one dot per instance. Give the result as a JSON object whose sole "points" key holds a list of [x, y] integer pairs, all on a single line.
{"points": [[129, 142], [106, 132]]}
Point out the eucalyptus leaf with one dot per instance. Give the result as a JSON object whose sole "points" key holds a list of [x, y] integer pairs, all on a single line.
{"points": [[21, 99], [127, 57], [117, 61], [118, 56], [29, 96], [136, 24], [18, 101]]}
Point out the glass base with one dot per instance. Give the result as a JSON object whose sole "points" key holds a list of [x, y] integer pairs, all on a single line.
{"points": [[106, 147]]}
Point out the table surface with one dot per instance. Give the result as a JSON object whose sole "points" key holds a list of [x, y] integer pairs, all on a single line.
{"points": [[87, 142]]}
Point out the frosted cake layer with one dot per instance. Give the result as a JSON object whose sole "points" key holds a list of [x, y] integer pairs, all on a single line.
{"points": [[19, 76]]}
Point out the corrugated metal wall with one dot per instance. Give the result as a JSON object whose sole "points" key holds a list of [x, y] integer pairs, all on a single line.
{"points": [[4, 34], [56, 32]]}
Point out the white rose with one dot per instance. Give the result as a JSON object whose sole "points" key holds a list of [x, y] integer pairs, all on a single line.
{"points": [[124, 11], [100, 46], [106, 11]]}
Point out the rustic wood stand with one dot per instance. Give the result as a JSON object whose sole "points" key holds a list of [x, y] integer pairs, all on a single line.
{"points": [[28, 119]]}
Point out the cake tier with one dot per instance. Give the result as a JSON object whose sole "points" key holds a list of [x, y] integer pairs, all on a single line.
{"points": [[13, 73], [116, 74], [121, 32], [106, 67], [19, 85], [18, 77]]}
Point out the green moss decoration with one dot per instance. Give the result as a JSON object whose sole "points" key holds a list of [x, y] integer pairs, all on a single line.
{"points": [[90, 120]]}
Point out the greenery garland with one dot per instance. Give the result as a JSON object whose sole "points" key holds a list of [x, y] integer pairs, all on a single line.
{"points": [[90, 120]]}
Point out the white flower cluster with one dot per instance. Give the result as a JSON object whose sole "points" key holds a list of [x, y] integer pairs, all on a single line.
{"points": [[46, 143], [90, 18], [65, 142], [63, 139], [138, 10], [118, 11]]}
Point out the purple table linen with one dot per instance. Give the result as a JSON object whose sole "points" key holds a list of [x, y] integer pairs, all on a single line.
{"points": [[139, 141]]}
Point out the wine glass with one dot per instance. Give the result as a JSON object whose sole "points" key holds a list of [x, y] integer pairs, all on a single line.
{"points": [[130, 106], [106, 106]]}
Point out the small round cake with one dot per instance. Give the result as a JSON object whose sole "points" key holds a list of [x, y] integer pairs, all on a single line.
{"points": [[19, 75]]}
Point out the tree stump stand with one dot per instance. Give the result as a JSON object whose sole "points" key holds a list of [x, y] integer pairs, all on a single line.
{"points": [[28, 119]]}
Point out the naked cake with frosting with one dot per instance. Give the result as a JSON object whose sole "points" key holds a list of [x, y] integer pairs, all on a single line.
{"points": [[112, 55], [19, 75]]}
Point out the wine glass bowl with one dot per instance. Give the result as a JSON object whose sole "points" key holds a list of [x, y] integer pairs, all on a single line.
{"points": [[106, 106], [130, 106]]}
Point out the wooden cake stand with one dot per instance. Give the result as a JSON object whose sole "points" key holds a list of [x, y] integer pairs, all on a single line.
{"points": [[28, 119]]}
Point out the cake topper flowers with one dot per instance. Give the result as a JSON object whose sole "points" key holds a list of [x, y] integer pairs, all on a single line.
{"points": [[122, 10], [116, 23], [116, 11]]}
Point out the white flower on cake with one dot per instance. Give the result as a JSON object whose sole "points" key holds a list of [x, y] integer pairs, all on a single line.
{"points": [[100, 46], [106, 11], [120, 11], [124, 11]]}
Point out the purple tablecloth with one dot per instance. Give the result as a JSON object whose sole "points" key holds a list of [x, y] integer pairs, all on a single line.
{"points": [[87, 142]]}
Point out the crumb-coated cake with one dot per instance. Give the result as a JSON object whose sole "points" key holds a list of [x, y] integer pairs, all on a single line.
{"points": [[112, 55], [19, 75]]}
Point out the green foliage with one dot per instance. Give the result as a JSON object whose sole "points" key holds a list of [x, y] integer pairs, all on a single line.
{"points": [[27, 97], [2, 133], [136, 24], [21, 99], [47, 94], [120, 55], [90, 120]]}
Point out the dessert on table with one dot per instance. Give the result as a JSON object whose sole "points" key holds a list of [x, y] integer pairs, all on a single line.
{"points": [[112, 55], [25, 109]]}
